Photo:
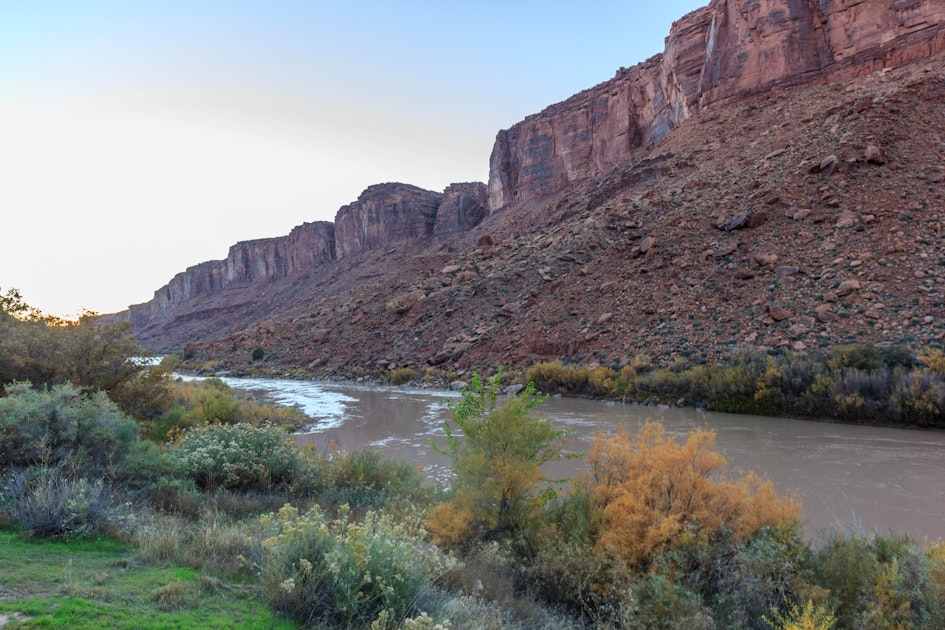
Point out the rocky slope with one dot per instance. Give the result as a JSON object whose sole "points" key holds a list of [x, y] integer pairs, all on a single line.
{"points": [[795, 212]]}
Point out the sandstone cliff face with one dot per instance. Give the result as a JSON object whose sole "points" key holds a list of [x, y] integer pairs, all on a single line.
{"points": [[382, 214], [303, 248], [310, 245], [463, 207], [721, 53], [717, 56]]}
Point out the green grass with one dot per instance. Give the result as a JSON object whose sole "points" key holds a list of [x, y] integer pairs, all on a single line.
{"points": [[98, 583]]}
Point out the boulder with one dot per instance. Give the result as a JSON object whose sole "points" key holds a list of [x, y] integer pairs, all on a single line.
{"points": [[874, 155]]}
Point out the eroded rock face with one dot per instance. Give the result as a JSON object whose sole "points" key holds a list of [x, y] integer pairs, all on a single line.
{"points": [[715, 56], [721, 53], [462, 207], [385, 213], [305, 247]]}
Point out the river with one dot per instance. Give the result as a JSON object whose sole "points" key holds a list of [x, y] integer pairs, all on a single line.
{"points": [[856, 478]]}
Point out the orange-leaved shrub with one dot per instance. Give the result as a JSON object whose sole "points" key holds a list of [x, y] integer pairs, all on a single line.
{"points": [[655, 494]]}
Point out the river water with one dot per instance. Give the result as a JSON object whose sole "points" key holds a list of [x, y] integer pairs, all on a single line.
{"points": [[855, 478]]}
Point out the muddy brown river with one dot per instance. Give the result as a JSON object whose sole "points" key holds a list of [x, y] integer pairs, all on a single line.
{"points": [[856, 478]]}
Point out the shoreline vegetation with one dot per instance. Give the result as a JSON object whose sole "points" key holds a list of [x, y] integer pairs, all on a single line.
{"points": [[129, 498], [871, 384]]}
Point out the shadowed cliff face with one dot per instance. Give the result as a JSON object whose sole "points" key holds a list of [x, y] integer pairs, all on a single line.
{"points": [[725, 52], [462, 208], [305, 247]]}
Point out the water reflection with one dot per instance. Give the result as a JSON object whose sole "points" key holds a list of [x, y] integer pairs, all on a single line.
{"points": [[848, 476]]}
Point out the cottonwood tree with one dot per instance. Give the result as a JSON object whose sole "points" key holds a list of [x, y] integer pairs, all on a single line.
{"points": [[89, 353]]}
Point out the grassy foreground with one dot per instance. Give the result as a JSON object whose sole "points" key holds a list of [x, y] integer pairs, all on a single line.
{"points": [[99, 583]]}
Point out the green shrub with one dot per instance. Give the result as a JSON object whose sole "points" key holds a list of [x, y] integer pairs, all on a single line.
{"points": [[52, 502], [338, 572], [238, 457], [657, 602], [811, 617], [46, 351], [866, 358], [856, 383], [744, 581], [919, 398], [554, 376], [57, 425], [497, 456], [401, 376], [933, 359], [590, 583], [211, 401], [258, 354], [363, 479], [879, 581]]}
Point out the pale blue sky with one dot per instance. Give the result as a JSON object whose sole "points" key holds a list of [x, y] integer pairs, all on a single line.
{"points": [[139, 138]]}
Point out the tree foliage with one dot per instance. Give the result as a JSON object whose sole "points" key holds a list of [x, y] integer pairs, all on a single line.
{"points": [[497, 455], [87, 352]]}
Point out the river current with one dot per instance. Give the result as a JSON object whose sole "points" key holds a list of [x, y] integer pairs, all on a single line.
{"points": [[856, 478]]}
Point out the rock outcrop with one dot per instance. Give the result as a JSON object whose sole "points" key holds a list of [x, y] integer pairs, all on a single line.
{"points": [[651, 249], [462, 208], [719, 54], [305, 247], [385, 213]]}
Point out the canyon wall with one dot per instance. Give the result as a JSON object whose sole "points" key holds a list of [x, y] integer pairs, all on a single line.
{"points": [[724, 52], [383, 213], [462, 208], [306, 246]]}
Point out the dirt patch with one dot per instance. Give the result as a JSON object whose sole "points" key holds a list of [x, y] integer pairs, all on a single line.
{"points": [[6, 618]]}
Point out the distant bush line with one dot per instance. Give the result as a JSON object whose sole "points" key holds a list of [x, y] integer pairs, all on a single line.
{"points": [[859, 384]]}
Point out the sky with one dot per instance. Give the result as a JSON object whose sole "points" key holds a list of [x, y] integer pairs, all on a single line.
{"points": [[140, 138]]}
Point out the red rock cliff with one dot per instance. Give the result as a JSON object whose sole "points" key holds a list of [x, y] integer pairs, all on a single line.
{"points": [[462, 207], [721, 53], [303, 248], [384, 213]]}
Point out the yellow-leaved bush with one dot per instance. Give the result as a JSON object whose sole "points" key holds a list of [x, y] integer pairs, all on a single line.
{"points": [[655, 493]]}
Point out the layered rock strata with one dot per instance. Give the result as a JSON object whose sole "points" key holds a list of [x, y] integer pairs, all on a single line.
{"points": [[383, 214], [462, 208], [721, 53]]}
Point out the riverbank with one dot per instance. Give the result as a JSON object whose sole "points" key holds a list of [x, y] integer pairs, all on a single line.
{"points": [[874, 385]]}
